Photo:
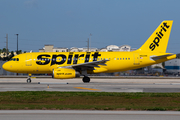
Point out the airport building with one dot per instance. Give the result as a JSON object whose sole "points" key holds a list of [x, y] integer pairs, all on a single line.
{"points": [[173, 66], [51, 48]]}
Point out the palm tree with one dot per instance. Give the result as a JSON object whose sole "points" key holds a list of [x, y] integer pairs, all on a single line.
{"points": [[4, 50], [4, 54], [20, 51]]}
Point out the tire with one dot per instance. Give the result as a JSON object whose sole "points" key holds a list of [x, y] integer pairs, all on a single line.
{"points": [[86, 79], [29, 80]]}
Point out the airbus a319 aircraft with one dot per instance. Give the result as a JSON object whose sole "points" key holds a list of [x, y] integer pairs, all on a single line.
{"points": [[65, 65]]}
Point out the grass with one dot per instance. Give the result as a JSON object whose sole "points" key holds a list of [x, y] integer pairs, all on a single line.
{"points": [[89, 101]]}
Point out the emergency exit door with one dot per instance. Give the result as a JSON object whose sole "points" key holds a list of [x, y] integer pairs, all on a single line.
{"points": [[136, 59], [28, 60]]}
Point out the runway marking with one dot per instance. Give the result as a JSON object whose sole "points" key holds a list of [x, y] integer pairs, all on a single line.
{"points": [[87, 88]]}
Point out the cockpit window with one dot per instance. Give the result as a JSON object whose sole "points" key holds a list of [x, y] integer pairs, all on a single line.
{"points": [[14, 59]]}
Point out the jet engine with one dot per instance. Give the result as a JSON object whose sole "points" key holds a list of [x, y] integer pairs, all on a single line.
{"points": [[65, 73]]}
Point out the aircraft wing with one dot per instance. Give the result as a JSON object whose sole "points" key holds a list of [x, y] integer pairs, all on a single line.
{"points": [[87, 65], [160, 57]]}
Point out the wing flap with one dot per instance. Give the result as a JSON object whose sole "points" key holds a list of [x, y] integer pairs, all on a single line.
{"points": [[88, 65]]}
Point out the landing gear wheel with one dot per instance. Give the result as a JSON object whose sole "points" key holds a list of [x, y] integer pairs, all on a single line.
{"points": [[29, 80], [86, 79]]}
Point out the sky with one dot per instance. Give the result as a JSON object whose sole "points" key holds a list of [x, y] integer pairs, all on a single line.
{"points": [[69, 23]]}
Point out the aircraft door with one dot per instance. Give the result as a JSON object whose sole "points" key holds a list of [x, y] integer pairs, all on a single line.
{"points": [[136, 59], [29, 60]]}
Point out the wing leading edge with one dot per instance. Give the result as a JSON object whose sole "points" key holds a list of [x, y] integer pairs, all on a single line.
{"points": [[87, 65]]}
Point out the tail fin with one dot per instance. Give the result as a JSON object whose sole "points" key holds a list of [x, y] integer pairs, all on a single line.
{"points": [[158, 41]]}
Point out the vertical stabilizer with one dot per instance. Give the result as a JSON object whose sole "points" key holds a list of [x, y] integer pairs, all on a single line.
{"points": [[158, 41]]}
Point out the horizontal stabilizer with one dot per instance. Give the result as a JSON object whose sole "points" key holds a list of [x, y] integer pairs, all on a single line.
{"points": [[160, 57]]}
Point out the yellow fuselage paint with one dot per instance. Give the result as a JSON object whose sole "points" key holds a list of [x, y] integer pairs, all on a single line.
{"points": [[118, 61]]}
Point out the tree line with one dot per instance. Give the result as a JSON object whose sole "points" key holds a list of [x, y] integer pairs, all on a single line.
{"points": [[8, 55]]}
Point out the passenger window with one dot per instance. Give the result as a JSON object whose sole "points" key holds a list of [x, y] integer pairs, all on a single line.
{"points": [[117, 58]]}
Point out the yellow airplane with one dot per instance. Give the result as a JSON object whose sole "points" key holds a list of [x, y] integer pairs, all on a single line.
{"points": [[65, 65]]}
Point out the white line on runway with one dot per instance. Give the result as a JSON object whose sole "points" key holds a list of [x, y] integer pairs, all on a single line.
{"points": [[89, 112], [51, 83], [167, 83]]}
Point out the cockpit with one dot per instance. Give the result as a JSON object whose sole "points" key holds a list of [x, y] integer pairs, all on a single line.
{"points": [[14, 59]]}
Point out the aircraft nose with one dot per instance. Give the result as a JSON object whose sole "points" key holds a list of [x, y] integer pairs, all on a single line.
{"points": [[6, 66]]}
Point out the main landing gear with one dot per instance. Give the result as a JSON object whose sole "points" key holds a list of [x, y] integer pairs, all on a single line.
{"points": [[86, 79], [29, 79]]}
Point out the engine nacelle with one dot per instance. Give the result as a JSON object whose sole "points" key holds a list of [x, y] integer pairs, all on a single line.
{"points": [[65, 73]]}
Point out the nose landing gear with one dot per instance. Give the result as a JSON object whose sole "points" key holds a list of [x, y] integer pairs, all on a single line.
{"points": [[29, 79]]}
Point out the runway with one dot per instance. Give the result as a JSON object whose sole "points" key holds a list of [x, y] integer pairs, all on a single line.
{"points": [[96, 85], [87, 115]]}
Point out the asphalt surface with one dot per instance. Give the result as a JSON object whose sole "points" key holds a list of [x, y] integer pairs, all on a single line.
{"points": [[96, 85], [87, 115]]}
